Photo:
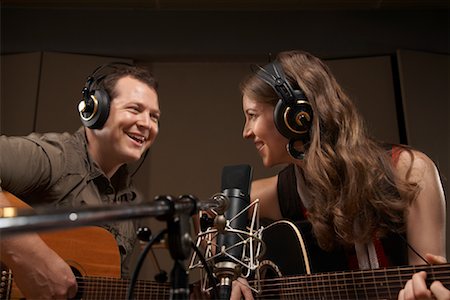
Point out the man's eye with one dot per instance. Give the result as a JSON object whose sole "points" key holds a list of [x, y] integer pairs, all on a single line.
{"points": [[154, 117]]}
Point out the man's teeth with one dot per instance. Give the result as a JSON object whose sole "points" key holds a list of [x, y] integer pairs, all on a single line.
{"points": [[139, 139]]}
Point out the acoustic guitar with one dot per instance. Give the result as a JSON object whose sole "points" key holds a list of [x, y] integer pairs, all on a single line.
{"points": [[287, 254], [94, 257]]}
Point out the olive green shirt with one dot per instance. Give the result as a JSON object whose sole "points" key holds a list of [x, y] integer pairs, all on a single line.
{"points": [[56, 169]]}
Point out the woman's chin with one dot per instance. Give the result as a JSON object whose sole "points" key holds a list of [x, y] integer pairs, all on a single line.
{"points": [[267, 163]]}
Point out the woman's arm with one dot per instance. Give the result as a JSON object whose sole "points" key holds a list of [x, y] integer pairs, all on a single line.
{"points": [[426, 215], [266, 191], [425, 225]]}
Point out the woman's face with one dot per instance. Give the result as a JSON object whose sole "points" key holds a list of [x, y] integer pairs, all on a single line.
{"points": [[260, 127]]}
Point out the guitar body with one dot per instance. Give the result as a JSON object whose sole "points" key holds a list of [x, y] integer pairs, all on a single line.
{"points": [[90, 250], [292, 250], [286, 252], [75, 246], [295, 250], [93, 255]]}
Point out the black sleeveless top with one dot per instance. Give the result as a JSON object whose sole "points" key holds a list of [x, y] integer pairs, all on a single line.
{"points": [[393, 250]]}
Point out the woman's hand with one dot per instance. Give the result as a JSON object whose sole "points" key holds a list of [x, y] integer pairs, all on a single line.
{"points": [[416, 288], [240, 289]]}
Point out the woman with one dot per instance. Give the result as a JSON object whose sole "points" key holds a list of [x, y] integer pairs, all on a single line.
{"points": [[358, 194]]}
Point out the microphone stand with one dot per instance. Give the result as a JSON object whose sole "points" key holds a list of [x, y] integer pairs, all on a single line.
{"points": [[179, 241], [23, 220], [38, 220]]}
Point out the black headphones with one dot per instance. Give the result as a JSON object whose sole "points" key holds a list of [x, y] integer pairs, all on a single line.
{"points": [[293, 114], [94, 106]]}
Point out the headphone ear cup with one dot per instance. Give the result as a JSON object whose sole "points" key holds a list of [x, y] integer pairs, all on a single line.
{"points": [[294, 121], [96, 110]]}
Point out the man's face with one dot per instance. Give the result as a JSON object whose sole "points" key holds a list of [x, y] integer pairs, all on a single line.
{"points": [[132, 125]]}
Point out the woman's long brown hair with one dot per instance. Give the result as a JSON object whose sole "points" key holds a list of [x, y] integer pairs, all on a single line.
{"points": [[354, 189]]}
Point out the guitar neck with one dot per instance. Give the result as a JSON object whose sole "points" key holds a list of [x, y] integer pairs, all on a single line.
{"points": [[365, 284]]}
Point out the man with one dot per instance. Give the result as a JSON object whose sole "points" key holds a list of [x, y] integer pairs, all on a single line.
{"points": [[120, 113]]}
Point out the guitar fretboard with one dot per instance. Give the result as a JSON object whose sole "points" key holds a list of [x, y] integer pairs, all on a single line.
{"points": [[367, 284]]}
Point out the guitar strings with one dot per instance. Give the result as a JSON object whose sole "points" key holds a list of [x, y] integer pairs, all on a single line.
{"points": [[319, 288], [112, 287]]}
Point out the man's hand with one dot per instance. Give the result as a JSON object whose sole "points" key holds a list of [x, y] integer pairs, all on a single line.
{"points": [[38, 271]]}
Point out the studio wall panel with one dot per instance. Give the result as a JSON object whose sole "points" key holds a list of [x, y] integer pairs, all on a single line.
{"points": [[425, 87], [20, 75], [62, 78], [369, 83]]}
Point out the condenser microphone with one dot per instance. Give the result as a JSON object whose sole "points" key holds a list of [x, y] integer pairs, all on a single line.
{"points": [[236, 182]]}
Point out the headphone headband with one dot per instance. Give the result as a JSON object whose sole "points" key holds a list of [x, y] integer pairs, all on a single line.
{"points": [[293, 114], [93, 78], [274, 76]]}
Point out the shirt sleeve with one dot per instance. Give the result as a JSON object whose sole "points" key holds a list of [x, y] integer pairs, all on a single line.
{"points": [[27, 165]]}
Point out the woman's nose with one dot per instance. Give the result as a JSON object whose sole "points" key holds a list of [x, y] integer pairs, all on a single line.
{"points": [[246, 132]]}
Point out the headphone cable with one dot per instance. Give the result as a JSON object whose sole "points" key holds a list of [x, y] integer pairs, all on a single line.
{"points": [[141, 162]]}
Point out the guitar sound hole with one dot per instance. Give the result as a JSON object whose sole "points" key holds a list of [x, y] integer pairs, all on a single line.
{"points": [[268, 270]]}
